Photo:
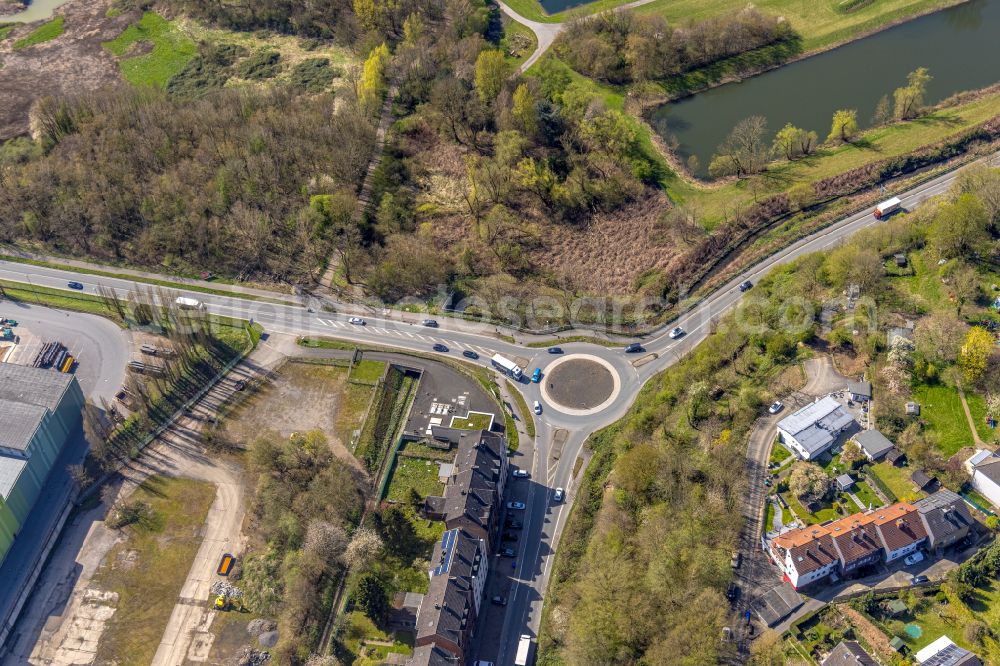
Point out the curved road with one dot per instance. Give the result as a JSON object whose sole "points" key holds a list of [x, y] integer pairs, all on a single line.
{"points": [[544, 521]]}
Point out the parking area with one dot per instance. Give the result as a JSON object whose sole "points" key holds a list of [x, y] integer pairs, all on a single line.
{"points": [[446, 395]]}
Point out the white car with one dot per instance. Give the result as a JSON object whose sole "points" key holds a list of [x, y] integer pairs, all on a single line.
{"points": [[913, 558], [521, 473], [776, 407], [558, 495], [515, 506], [676, 333], [357, 321], [537, 407]]}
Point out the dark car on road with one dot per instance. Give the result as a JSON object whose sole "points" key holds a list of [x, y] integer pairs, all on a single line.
{"points": [[508, 552], [633, 348], [510, 536], [920, 580], [75, 285], [513, 524], [429, 323], [555, 350], [746, 286], [468, 353], [499, 601], [440, 348]]}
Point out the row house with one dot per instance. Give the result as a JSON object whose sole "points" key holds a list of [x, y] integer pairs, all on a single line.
{"points": [[847, 545]]}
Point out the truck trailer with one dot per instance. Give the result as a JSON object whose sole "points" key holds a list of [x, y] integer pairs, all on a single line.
{"points": [[887, 208], [185, 303], [523, 657], [508, 366]]}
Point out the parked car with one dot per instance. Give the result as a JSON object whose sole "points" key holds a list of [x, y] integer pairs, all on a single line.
{"points": [[736, 559], [357, 321], [511, 524], [536, 376], [558, 495], [508, 552], [515, 506], [767, 482], [521, 473], [537, 407], [633, 348], [510, 536], [75, 285], [499, 601], [555, 350], [676, 333], [776, 407], [429, 323], [438, 347], [920, 580], [468, 353], [747, 285], [240, 384], [913, 558], [733, 592]]}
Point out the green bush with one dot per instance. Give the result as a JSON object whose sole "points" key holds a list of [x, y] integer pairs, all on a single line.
{"points": [[262, 65], [314, 75]]}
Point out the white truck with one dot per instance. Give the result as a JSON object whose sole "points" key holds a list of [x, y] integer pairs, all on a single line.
{"points": [[523, 657], [887, 208], [507, 365], [185, 303]]}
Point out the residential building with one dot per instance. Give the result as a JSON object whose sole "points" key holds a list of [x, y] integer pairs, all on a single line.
{"points": [[984, 468], [846, 545], [860, 391], [849, 653], [944, 652], [431, 655], [451, 605], [40, 411], [404, 609], [873, 444], [813, 429], [945, 517]]}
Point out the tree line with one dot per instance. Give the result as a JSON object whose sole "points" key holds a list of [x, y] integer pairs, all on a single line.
{"points": [[623, 47]]}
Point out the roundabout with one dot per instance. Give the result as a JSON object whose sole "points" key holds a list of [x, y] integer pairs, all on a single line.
{"points": [[580, 384]]}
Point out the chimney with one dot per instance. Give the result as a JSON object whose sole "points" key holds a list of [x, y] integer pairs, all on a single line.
{"points": [[900, 522]]}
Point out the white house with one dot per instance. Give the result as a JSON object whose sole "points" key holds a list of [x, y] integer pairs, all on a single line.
{"points": [[944, 652], [873, 444], [984, 468], [813, 429]]}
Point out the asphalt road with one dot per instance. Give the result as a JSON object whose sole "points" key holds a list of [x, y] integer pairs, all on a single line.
{"points": [[544, 520]]}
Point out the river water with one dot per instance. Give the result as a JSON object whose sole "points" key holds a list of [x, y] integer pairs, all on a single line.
{"points": [[960, 46], [553, 6], [36, 11]]}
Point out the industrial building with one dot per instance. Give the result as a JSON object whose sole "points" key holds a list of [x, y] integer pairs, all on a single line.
{"points": [[813, 429], [39, 411]]}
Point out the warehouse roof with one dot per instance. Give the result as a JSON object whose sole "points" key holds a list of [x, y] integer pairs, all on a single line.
{"points": [[33, 386], [10, 470], [18, 423], [816, 425]]}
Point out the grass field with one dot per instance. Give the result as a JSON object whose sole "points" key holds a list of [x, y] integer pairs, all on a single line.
{"points": [[866, 494], [5, 31], [897, 479], [368, 372], [779, 454], [43, 33], [522, 407], [473, 421], [977, 406], [417, 473], [518, 42], [941, 409], [171, 50], [149, 587]]}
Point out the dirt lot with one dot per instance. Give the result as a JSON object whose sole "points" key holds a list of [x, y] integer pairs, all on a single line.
{"points": [[304, 397], [72, 63]]}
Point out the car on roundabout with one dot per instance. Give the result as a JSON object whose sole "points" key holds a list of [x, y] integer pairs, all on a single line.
{"points": [[468, 353], [440, 347], [676, 333]]}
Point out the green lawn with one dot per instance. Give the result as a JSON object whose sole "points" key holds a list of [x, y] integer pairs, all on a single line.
{"points": [[824, 514], [417, 473], [769, 517], [368, 372], [897, 479], [171, 51], [522, 407], [518, 42], [977, 405], [941, 409], [43, 33], [779, 454], [166, 546], [473, 421], [5, 30], [866, 494]]}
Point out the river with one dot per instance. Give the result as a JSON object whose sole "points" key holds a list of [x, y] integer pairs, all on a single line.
{"points": [[960, 46], [36, 11]]}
